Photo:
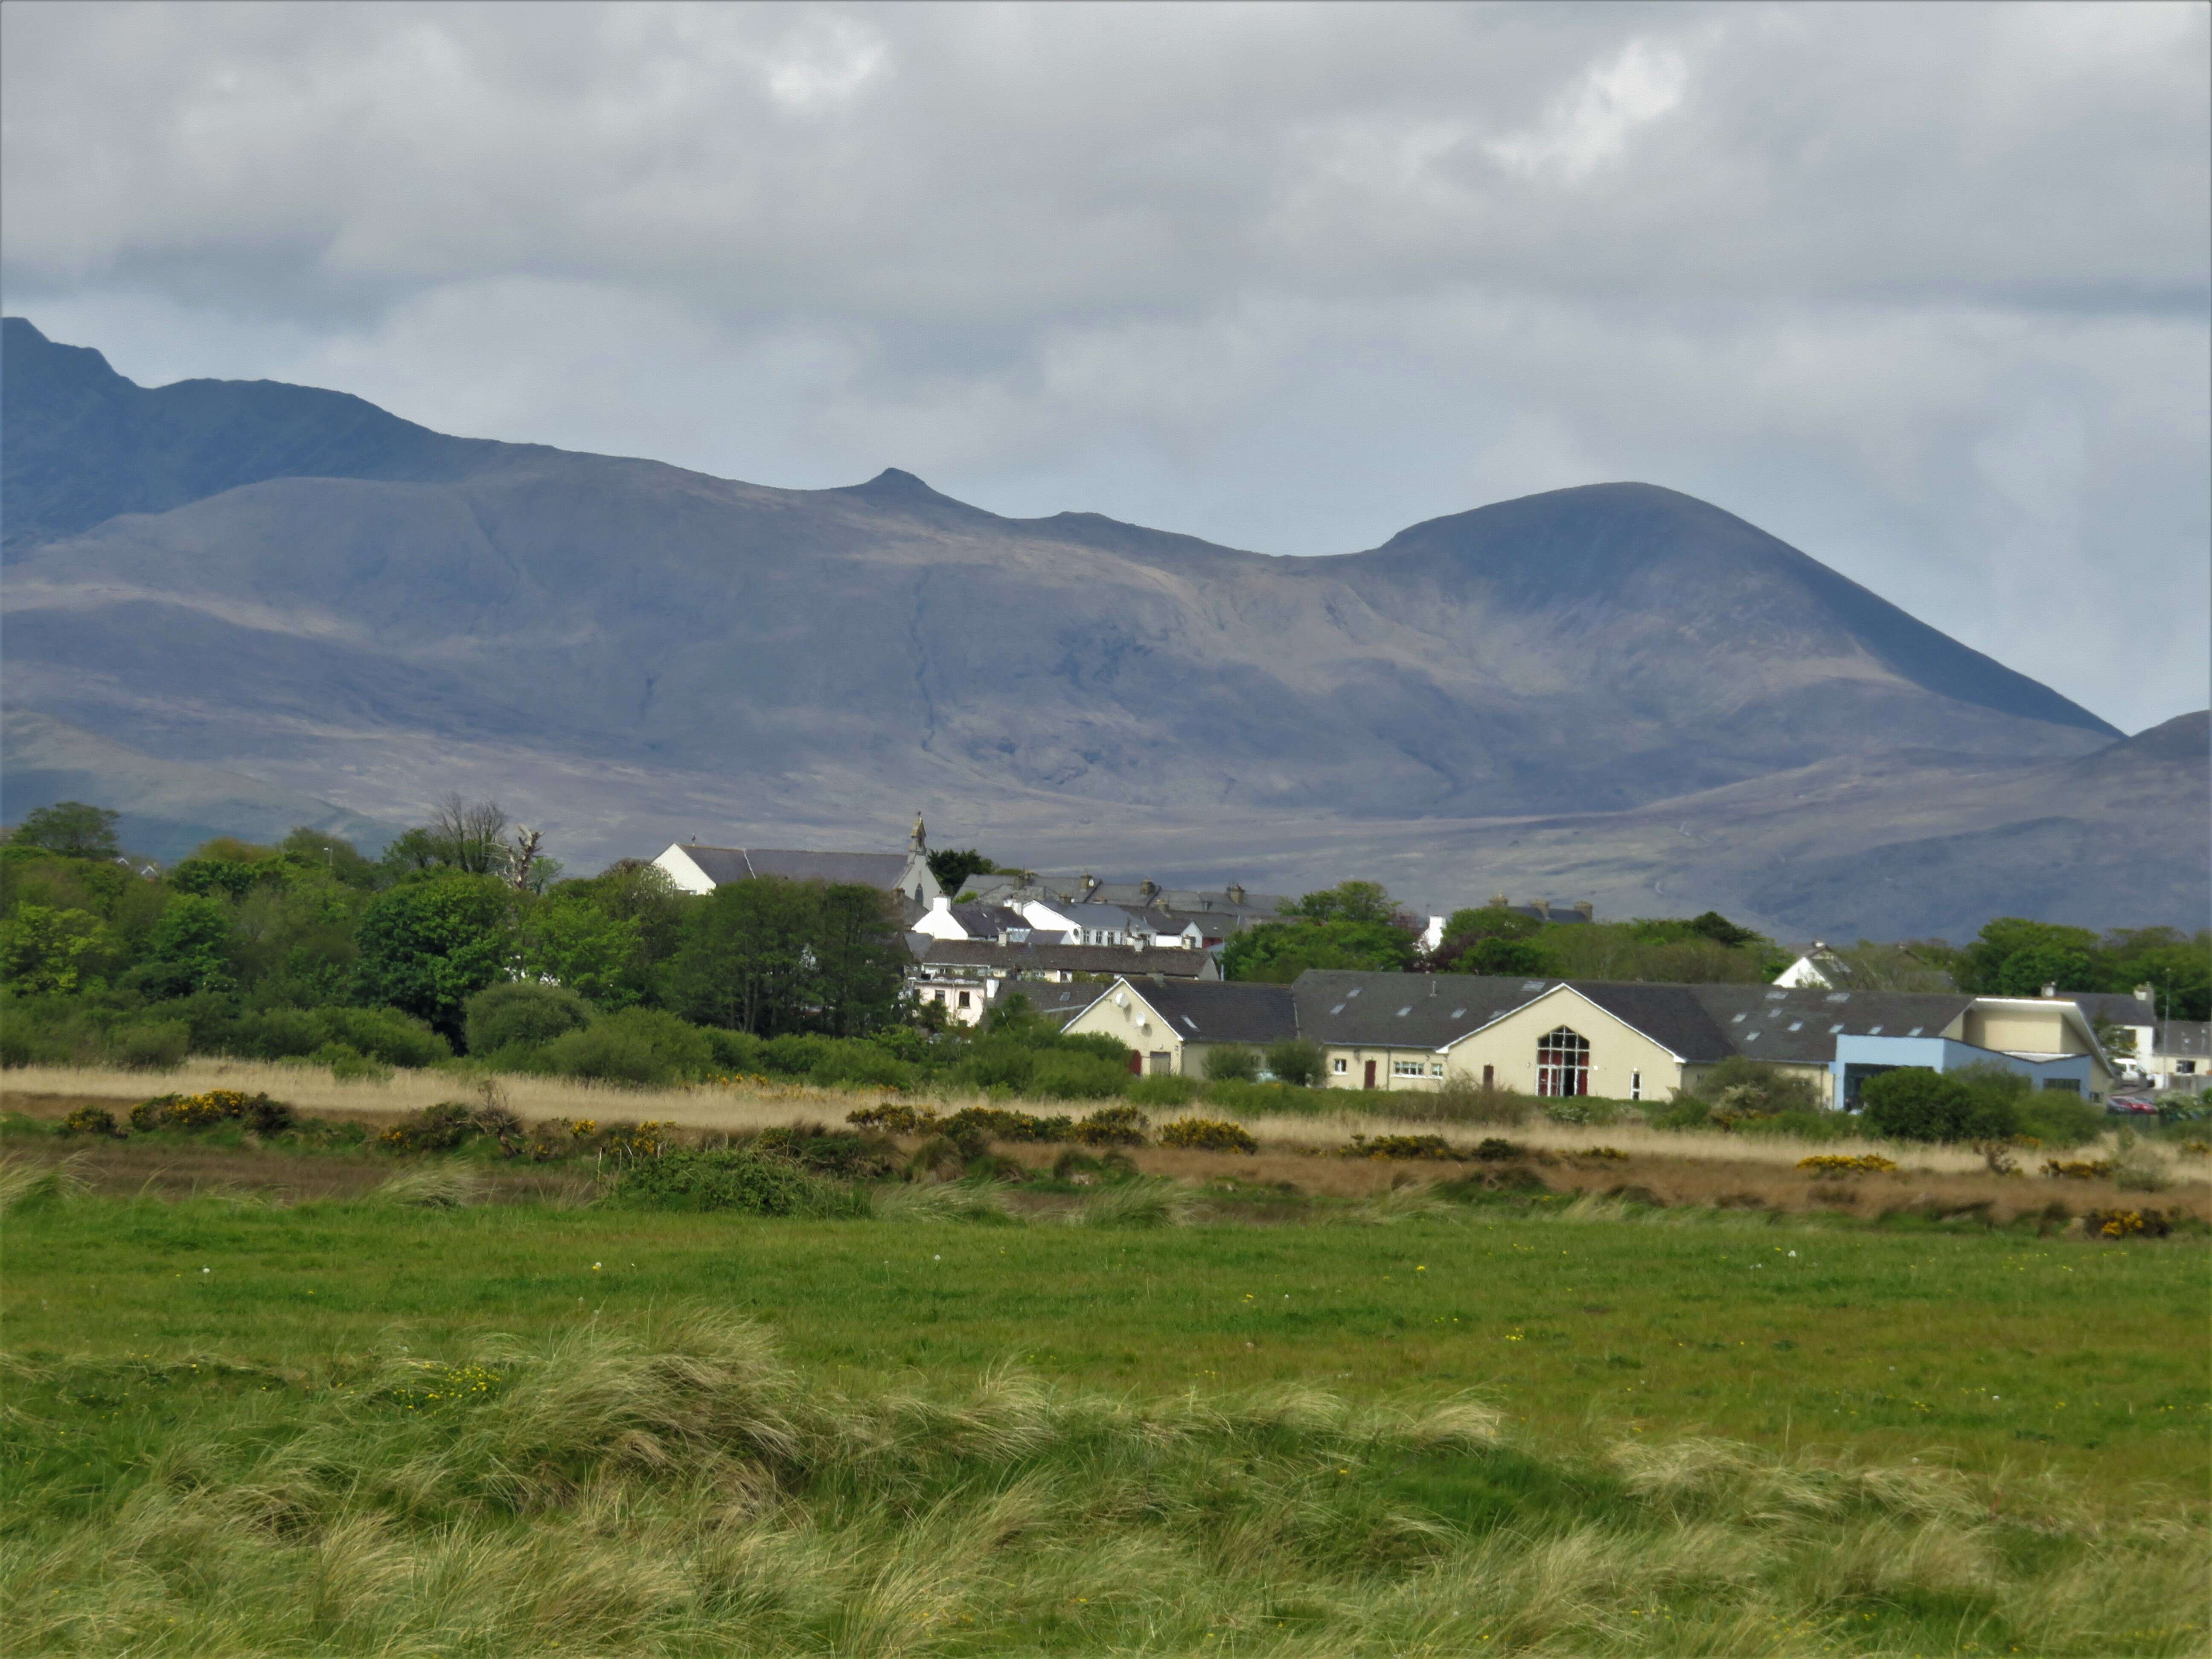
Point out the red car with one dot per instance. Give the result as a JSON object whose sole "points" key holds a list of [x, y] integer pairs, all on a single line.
{"points": [[2131, 1106]]}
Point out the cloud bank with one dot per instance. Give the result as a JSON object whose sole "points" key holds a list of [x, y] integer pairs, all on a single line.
{"points": [[1921, 289]]}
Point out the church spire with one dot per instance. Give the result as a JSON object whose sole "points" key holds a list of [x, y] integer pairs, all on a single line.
{"points": [[920, 841]]}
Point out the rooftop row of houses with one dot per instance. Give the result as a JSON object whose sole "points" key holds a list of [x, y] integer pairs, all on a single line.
{"points": [[1624, 1042]]}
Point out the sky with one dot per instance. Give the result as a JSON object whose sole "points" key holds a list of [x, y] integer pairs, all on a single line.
{"points": [[1923, 290]]}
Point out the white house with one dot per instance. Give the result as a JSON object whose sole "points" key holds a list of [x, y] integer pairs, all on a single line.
{"points": [[1820, 968], [697, 869]]}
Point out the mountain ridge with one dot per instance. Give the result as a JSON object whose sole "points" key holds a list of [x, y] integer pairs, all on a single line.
{"points": [[601, 634]]}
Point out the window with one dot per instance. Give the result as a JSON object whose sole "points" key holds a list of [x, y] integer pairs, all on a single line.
{"points": [[1340, 1067], [1562, 1063], [1435, 1068], [1408, 1068], [1635, 1085], [963, 998], [2185, 1067], [2065, 1085]]}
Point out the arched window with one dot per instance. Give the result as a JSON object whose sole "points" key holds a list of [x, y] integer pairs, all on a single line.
{"points": [[1562, 1062]]}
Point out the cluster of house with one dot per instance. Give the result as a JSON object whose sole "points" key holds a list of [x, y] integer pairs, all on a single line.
{"points": [[1140, 963]]}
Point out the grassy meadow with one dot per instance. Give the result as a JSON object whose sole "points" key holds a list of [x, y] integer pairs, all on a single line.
{"points": [[341, 1403]]}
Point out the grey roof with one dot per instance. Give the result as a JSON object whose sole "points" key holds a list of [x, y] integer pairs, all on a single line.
{"points": [[2115, 1007], [1702, 1024], [722, 864], [1204, 1011], [1060, 1002], [2184, 1039], [990, 921], [1355, 1010], [1768, 1022]]}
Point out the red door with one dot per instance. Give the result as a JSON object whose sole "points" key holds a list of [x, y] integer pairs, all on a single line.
{"points": [[1136, 1063], [1370, 1073]]}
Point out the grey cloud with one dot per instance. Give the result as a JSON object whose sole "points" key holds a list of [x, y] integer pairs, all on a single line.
{"points": [[1923, 289]]}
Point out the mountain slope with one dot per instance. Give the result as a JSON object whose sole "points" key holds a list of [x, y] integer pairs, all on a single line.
{"points": [[627, 648]]}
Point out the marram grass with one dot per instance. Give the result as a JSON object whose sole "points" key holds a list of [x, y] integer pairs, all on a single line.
{"points": [[687, 1491]]}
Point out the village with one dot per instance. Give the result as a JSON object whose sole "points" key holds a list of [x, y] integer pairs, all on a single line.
{"points": [[1141, 963]]}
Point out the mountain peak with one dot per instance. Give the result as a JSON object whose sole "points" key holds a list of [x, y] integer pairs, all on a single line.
{"points": [[897, 489]]}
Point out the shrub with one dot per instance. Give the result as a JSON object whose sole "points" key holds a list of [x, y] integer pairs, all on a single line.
{"points": [[858, 1062], [636, 1046], [739, 1052], [1209, 1135], [742, 1180], [385, 1033], [795, 1054], [1232, 1062], [826, 1152], [1916, 1103], [1463, 1100], [2084, 1169], [1061, 1075], [522, 1012], [438, 1128], [1836, 1163], [1116, 1125], [997, 1123], [156, 1045], [1414, 1146], [2058, 1119], [1822, 1125], [1296, 1061], [1684, 1112], [349, 1064], [204, 1111], [1494, 1151], [2126, 1223], [1250, 1099], [895, 1119], [1170, 1092], [1742, 1088], [277, 1034], [90, 1120], [1570, 1113]]}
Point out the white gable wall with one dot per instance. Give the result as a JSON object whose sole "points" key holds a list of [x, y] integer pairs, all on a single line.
{"points": [[677, 865]]}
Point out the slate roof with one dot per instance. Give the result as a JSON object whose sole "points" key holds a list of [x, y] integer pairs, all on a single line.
{"points": [[1057, 1002], [2183, 1039], [722, 864], [1802, 1025], [990, 921], [2118, 1007], [1703, 1024], [1354, 1009], [1202, 1012]]}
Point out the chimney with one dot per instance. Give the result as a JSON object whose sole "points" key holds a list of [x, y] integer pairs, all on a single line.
{"points": [[1541, 907], [1586, 910], [2143, 992], [1148, 890], [1089, 883], [1236, 893], [941, 905], [1497, 901], [2051, 989]]}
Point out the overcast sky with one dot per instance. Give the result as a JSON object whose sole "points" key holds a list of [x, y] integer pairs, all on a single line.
{"points": [[1922, 290]]}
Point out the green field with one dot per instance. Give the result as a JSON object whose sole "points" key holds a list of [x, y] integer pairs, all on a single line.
{"points": [[1701, 1435]]}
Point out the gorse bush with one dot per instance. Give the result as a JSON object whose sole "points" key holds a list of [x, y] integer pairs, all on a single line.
{"points": [[739, 1179], [1209, 1135], [257, 1112]]}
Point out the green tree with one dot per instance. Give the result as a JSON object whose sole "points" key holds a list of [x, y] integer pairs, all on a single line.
{"points": [[1714, 925], [572, 941], [1916, 1104], [953, 866], [2026, 972], [71, 829], [189, 950], [743, 961], [1350, 901], [859, 960], [1296, 1061], [1354, 925], [428, 946], [630, 890], [1491, 921], [1980, 969], [1511, 957], [338, 859], [46, 952]]}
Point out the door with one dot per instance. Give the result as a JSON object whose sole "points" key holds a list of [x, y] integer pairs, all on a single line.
{"points": [[1136, 1063], [1370, 1074]]}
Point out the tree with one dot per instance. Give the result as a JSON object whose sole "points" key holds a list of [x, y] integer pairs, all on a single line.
{"points": [[71, 829], [1296, 1061], [1714, 925], [426, 947], [745, 960], [44, 952], [2026, 972], [1491, 922], [953, 866], [469, 835], [337, 858], [573, 942], [630, 890], [1509, 958], [189, 950], [1350, 901], [1981, 969], [859, 960], [1354, 925], [1916, 1104]]}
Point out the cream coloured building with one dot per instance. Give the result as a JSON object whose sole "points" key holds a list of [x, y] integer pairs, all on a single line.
{"points": [[1622, 1041]]}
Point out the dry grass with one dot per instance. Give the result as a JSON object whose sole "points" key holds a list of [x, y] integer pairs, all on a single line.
{"points": [[1700, 1167]]}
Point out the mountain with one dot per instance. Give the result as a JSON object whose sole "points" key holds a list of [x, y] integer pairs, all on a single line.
{"points": [[165, 808], [293, 584]]}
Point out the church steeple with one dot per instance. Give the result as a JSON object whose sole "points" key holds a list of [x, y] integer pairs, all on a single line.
{"points": [[920, 840]]}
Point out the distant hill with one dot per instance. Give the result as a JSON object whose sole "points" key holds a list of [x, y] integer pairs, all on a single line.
{"points": [[294, 583]]}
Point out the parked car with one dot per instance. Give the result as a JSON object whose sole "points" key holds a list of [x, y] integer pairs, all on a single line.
{"points": [[2130, 1106]]}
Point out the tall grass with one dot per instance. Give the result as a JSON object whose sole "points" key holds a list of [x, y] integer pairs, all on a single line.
{"points": [[692, 1494]]}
